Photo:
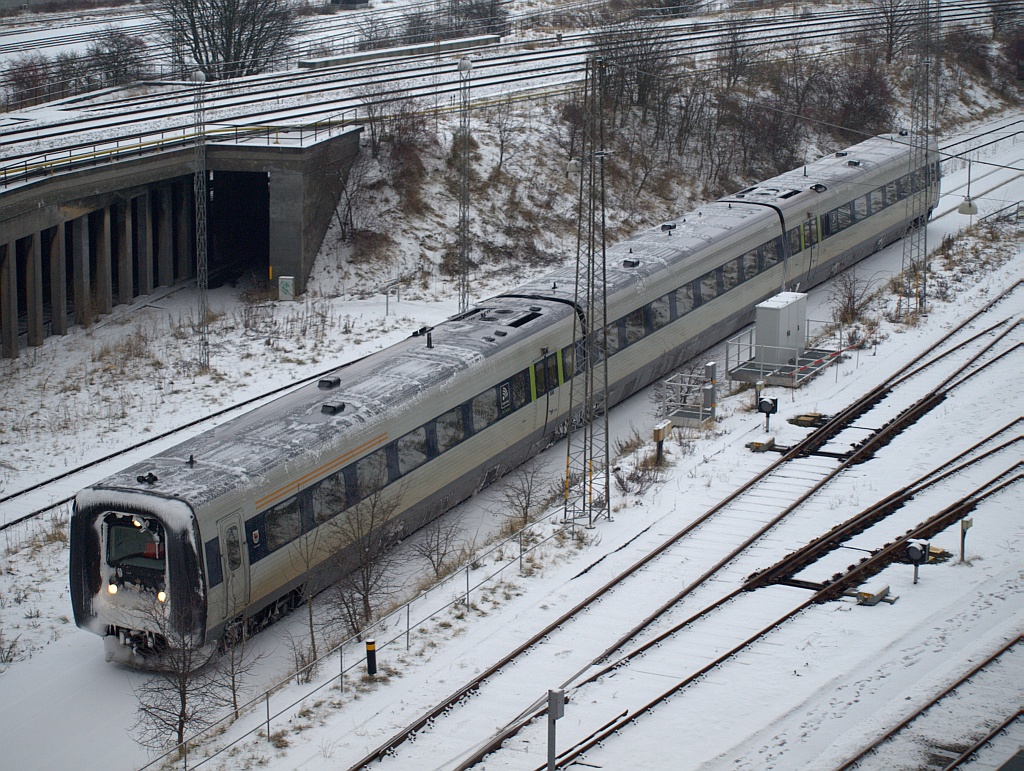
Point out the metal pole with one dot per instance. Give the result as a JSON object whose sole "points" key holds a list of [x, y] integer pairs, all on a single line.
{"points": [[199, 189]]}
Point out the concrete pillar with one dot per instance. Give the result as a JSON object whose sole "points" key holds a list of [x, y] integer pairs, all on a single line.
{"points": [[125, 258], [58, 283], [104, 291], [185, 209], [34, 291], [145, 229], [80, 247], [164, 256], [287, 196], [9, 302]]}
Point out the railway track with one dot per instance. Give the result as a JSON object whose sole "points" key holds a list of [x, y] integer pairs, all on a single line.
{"points": [[46, 495], [739, 622], [924, 735], [528, 669], [292, 98]]}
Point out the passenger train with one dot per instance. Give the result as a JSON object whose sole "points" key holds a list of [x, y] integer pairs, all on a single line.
{"points": [[227, 528]]}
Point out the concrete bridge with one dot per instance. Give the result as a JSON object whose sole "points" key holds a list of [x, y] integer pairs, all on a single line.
{"points": [[87, 236]]}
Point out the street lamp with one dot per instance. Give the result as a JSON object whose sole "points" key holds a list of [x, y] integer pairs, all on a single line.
{"points": [[968, 206]]}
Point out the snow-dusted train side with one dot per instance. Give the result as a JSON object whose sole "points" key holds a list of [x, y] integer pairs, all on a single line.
{"points": [[230, 526]]}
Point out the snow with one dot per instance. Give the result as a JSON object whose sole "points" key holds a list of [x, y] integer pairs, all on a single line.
{"points": [[806, 698]]}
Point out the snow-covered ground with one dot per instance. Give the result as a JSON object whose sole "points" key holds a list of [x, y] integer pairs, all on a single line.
{"points": [[814, 692]]}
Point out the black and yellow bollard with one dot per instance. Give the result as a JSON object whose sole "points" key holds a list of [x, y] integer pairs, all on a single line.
{"points": [[371, 657]]}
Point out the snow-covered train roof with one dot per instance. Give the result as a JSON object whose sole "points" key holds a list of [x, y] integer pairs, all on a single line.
{"points": [[636, 260], [241, 451]]}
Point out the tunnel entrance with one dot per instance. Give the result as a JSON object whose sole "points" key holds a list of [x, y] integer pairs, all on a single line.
{"points": [[238, 226]]}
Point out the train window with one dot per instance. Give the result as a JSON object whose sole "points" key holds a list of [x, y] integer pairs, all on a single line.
{"points": [[233, 546], [371, 473], [569, 362], [613, 340], [731, 274], [636, 328], [828, 222], [661, 313], [215, 571], [708, 287], [860, 206], [904, 183], [539, 380], [485, 409], [412, 450], [135, 542], [892, 193], [330, 498], [844, 219], [794, 241], [748, 264], [282, 524], [450, 429], [684, 300], [877, 200], [520, 389], [770, 253], [810, 233], [552, 364]]}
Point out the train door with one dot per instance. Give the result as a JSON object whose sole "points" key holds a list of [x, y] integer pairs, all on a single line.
{"points": [[233, 563], [546, 382]]}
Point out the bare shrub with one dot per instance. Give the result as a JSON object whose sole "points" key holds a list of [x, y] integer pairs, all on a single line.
{"points": [[848, 297], [437, 542]]}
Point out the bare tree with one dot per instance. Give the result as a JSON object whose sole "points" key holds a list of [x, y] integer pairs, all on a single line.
{"points": [[26, 78], [118, 57], [894, 24], [186, 693], [436, 542], [227, 38], [507, 127], [848, 297], [523, 492], [368, 561]]}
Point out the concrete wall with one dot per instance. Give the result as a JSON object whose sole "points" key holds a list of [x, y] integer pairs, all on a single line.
{"points": [[131, 225]]}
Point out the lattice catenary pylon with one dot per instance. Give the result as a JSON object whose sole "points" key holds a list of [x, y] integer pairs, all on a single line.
{"points": [[587, 470]]}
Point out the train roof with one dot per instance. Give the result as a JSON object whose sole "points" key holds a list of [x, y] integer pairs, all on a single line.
{"points": [[242, 450], [682, 241]]}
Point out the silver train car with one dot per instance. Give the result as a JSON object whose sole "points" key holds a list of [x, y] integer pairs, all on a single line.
{"points": [[227, 530]]}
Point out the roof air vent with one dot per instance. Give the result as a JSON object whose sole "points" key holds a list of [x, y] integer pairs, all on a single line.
{"points": [[488, 339], [841, 154], [327, 383], [853, 163], [630, 262], [500, 333], [332, 408], [817, 187]]}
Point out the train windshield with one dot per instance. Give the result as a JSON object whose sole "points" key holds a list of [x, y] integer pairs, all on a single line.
{"points": [[135, 542]]}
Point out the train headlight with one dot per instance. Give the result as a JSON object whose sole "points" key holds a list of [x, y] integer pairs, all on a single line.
{"points": [[161, 596], [112, 588]]}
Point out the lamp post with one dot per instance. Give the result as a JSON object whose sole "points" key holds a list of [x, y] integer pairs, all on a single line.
{"points": [[968, 206], [198, 77], [465, 72]]}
